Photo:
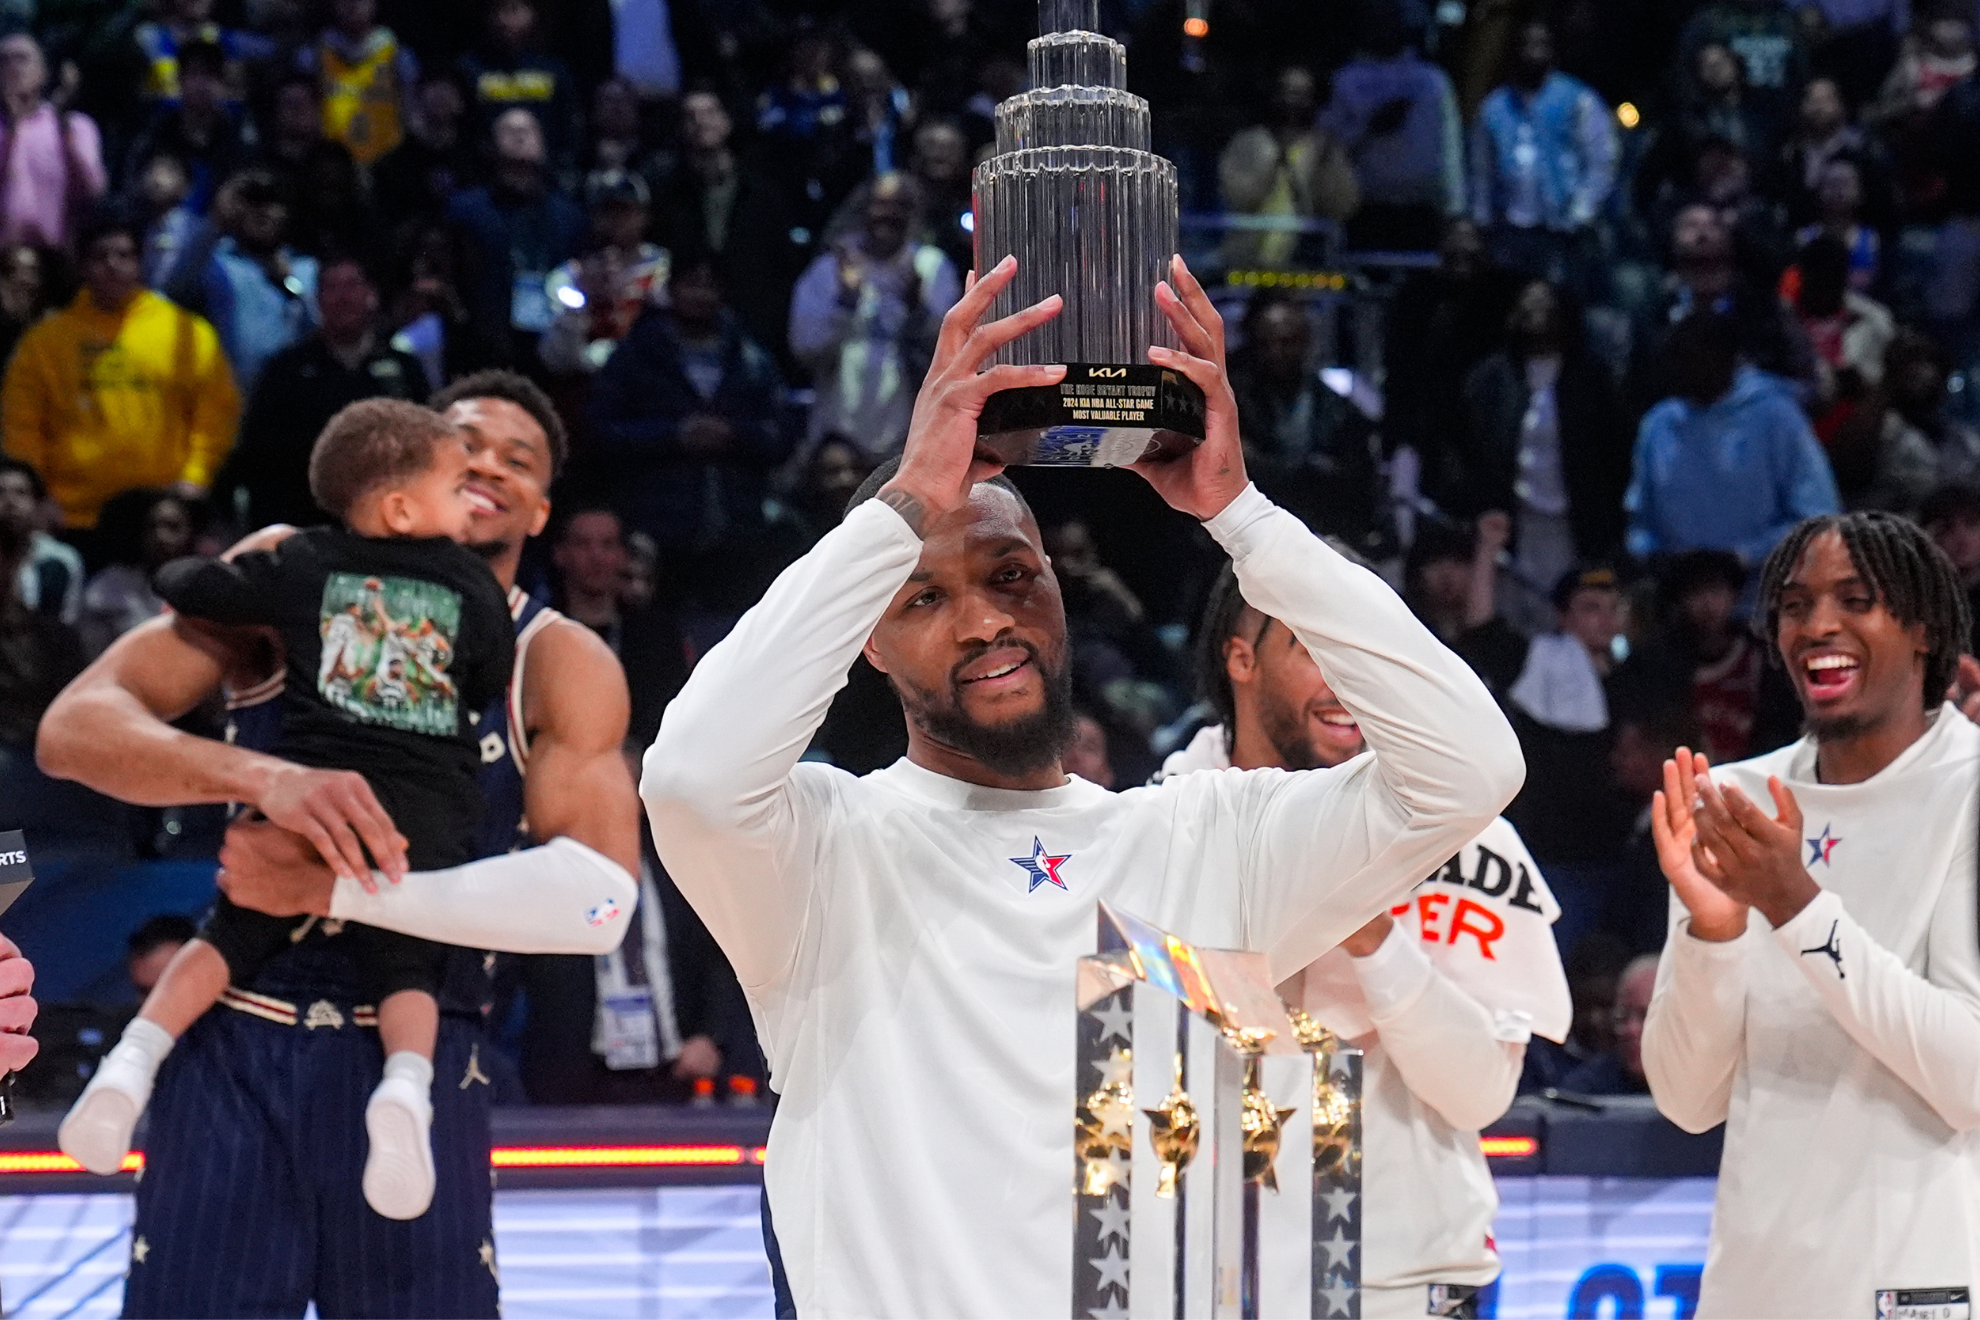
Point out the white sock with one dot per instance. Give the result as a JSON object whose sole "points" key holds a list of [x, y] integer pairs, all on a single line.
{"points": [[147, 1040], [415, 1068], [97, 1131], [398, 1121]]}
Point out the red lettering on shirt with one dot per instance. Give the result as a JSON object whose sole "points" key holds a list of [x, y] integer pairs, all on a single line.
{"points": [[1485, 934]]}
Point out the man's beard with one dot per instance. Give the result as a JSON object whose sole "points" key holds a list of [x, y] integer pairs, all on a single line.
{"points": [[1016, 747], [1837, 728], [489, 550], [1286, 729]]}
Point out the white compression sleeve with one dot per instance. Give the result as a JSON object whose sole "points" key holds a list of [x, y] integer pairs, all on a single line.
{"points": [[560, 898]]}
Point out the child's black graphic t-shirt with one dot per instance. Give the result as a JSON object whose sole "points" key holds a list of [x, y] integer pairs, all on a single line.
{"points": [[394, 647]]}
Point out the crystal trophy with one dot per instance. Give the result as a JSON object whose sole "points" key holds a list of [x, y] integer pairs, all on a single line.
{"points": [[1216, 1139], [1090, 213]]}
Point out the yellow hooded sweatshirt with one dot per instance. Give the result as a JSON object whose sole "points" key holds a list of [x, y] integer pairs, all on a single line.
{"points": [[100, 401]]}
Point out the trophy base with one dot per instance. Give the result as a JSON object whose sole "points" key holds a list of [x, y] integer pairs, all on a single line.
{"points": [[1098, 416]]}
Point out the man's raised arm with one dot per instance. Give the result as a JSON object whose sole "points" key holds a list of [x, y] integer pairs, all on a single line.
{"points": [[1334, 848], [110, 730], [729, 818]]}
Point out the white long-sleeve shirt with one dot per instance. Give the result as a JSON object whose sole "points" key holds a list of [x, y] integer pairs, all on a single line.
{"points": [[908, 941], [1442, 1012], [1843, 1049]]}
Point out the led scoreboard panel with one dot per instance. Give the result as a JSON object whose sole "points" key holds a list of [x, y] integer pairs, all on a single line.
{"points": [[656, 1214]]}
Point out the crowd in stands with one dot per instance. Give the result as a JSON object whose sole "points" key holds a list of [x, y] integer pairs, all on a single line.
{"points": [[1558, 312]]}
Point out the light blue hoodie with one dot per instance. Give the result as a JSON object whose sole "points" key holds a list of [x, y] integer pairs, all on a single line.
{"points": [[1733, 476]]}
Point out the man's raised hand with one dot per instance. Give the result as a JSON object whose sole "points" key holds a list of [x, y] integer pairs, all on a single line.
{"points": [[1690, 868], [1201, 482], [269, 869], [939, 463]]}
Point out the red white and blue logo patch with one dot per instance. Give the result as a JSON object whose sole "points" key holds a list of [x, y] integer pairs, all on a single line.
{"points": [[601, 914], [1041, 867]]}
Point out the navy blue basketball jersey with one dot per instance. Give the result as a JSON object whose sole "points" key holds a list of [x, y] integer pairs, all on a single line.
{"points": [[317, 964]]}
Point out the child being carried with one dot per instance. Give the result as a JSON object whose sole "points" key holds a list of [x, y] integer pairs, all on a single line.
{"points": [[396, 638]]}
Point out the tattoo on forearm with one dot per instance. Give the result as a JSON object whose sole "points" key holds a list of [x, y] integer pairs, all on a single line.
{"points": [[911, 509]]}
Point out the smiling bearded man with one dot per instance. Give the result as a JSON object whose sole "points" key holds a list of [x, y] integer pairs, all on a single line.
{"points": [[1820, 993], [908, 940]]}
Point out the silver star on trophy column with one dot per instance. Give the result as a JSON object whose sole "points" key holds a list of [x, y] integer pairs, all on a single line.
{"points": [[1113, 1218], [1113, 1269], [1115, 1021]]}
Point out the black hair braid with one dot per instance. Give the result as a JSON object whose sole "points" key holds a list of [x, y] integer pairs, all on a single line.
{"points": [[1220, 617], [1907, 570]]}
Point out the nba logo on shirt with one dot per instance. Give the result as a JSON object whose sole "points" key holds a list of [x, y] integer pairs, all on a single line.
{"points": [[601, 914], [1041, 868]]}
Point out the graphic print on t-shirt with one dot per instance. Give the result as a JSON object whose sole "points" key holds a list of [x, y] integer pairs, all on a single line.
{"points": [[387, 642]]}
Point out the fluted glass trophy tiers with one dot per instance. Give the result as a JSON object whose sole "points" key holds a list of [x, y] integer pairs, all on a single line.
{"points": [[1090, 213]]}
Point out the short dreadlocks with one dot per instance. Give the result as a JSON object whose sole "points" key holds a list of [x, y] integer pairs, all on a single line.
{"points": [[1224, 617], [1907, 570]]}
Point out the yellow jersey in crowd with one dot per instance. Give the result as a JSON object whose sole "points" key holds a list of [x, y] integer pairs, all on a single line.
{"points": [[100, 401]]}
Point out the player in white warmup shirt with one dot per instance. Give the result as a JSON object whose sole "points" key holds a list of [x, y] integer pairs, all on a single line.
{"points": [[1442, 991], [1820, 993], [908, 939]]}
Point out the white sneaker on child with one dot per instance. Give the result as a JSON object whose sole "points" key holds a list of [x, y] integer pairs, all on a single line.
{"points": [[398, 1170], [97, 1131]]}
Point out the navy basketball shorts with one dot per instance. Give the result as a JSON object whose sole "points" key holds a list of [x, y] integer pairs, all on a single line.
{"points": [[250, 1203]]}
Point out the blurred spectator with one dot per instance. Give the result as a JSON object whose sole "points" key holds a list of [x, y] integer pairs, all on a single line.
{"points": [[878, 111], [26, 294], [591, 559], [151, 947], [1720, 105], [1287, 169], [200, 128], [615, 143], [1857, 42], [1849, 332], [53, 168], [824, 487], [1567, 811], [429, 317], [1442, 324], [1543, 163], [434, 160], [1952, 515], [516, 229], [1396, 116], [1620, 1071], [1766, 35], [1822, 133], [713, 203], [1308, 448], [365, 80], [1594, 965], [1544, 440], [510, 72], [1108, 628], [1936, 56], [940, 163], [685, 418], [141, 531], [119, 389], [260, 295], [1903, 442], [1705, 652], [1949, 144], [1449, 581], [163, 44], [320, 182], [864, 317], [1728, 462], [801, 127], [266, 479], [171, 226], [646, 57], [1560, 685], [38, 654], [1839, 215], [1650, 725], [51, 575], [1087, 754], [599, 296], [1705, 278]]}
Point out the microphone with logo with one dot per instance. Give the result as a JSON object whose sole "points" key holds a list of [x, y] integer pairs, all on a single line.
{"points": [[15, 876]]}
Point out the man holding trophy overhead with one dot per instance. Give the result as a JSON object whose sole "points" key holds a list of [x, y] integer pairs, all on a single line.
{"points": [[908, 939]]}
